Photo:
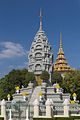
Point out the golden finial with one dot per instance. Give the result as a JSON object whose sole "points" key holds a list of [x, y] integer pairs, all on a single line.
{"points": [[74, 95], [17, 88], [8, 96], [57, 86], [40, 20]]}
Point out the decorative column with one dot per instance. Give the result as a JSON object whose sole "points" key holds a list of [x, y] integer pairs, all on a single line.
{"points": [[24, 95], [51, 103], [36, 108], [74, 96], [17, 89], [30, 85], [10, 114], [50, 70], [66, 107], [3, 109], [27, 117], [8, 97], [48, 108], [57, 88]]}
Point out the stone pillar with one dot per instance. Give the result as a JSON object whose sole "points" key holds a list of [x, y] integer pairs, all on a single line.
{"points": [[3, 109], [74, 98], [57, 90], [51, 103], [36, 108], [10, 114], [30, 85], [24, 98], [48, 108], [8, 96], [66, 107], [27, 116]]}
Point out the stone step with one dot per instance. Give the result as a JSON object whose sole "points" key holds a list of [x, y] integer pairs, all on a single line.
{"points": [[35, 94]]}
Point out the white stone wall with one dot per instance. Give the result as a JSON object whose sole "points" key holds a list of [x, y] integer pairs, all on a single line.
{"points": [[40, 55]]}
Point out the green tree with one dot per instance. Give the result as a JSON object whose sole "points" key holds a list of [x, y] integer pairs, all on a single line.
{"points": [[8, 83], [71, 83], [56, 77], [29, 77], [45, 76]]}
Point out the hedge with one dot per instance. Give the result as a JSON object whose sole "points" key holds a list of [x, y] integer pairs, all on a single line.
{"points": [[59, 118], [1, 118]]}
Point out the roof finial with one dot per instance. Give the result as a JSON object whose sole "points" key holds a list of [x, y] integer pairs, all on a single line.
{"points": [[40, 20], [60, 40]]}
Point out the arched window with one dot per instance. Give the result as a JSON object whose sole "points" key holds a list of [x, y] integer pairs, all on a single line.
{"points": [[38, 55], [38, 67], [38, 46]]}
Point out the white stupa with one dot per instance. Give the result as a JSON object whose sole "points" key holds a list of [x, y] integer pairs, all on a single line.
{"points": [[40, 55]]}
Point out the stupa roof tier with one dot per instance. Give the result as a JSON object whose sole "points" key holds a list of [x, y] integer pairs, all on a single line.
{"points": [[61, 62], [60, 57]]}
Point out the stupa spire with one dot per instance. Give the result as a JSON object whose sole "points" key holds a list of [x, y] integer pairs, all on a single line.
{"points": [[40, 20], [60, 48], [60, 40]]}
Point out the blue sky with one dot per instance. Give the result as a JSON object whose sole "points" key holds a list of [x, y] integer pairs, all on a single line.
{"points": [[19, 22]]}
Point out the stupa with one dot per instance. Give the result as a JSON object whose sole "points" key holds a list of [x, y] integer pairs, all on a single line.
{"points": [[40, 55], [61, 64]]}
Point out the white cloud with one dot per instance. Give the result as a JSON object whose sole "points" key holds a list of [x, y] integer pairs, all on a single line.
{"points": [[10, 49], [20, 66]]}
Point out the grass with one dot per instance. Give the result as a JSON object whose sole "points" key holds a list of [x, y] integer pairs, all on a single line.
{"points": [[59, 118]]}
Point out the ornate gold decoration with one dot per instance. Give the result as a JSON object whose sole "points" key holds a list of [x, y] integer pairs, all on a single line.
{"points": [[17, 88], [40, 93], [74, 95], [24, 93]]}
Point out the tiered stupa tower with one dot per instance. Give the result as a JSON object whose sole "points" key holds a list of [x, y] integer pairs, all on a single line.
{"points": [[40, 55], [61, 64]]}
